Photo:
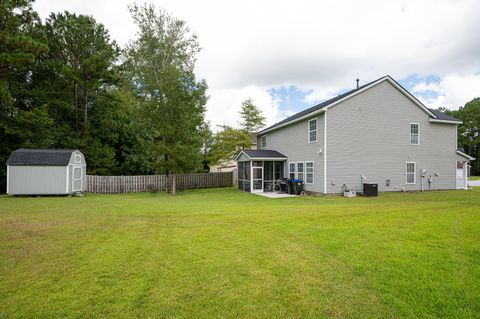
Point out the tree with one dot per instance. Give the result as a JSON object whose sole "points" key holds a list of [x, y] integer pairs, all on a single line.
{"points": [[252, 118], [469, 131], [227, 142], [160, 63], [21, 123], [83, 57]]}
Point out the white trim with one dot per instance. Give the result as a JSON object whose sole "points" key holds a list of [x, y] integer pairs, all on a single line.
{"points": [[418, 133], [67, 179], [313, 172], [79, 159], [303, 170], [268, 158], [325, 153], [295, 170], [77, 179], [385, 78], [470, 158], [261, 141], [241, 152], [256, 191], [8, 179], [414, 173], [445, 121], [309, 131]]}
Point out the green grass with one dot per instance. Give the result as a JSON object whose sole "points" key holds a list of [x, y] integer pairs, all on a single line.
{"points": [[223, 253], [474, 178]]}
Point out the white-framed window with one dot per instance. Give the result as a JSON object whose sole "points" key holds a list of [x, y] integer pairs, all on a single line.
{"points": [[291, 170], [414, 134], [309, 173], [300, 170], [410, 173], [77, 159], [312, 131], [263, 141]]}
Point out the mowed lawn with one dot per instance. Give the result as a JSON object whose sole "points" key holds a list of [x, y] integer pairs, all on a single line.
{"points": [[226, 254]]}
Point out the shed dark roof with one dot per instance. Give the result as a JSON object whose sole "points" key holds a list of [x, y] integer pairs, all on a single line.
{"points": [[444, 117], [263, 154], [25, 156]]}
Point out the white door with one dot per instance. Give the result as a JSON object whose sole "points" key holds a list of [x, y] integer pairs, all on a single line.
{"points": [[77, 180], [257, 179]]}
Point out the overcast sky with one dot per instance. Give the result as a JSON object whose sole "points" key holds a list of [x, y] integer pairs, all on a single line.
{"points": [[288, 55]]}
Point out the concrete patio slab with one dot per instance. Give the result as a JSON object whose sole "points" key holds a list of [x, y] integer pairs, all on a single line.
{"points": [[274, 195]]}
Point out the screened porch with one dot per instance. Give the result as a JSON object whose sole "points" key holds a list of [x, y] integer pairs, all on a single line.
{"points": [[260, 170]]}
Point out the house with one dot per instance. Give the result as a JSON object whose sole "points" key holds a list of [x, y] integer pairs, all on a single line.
{"points": [[45, 172], [376, 133]]}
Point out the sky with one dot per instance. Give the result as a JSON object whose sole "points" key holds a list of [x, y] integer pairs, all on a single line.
{"points": [[289, 55]]}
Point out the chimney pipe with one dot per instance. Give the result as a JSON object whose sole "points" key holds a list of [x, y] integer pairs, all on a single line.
{"points": [[358, 80]]}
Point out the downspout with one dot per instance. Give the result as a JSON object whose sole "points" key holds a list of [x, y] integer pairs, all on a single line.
{"points": [[325, 152]]}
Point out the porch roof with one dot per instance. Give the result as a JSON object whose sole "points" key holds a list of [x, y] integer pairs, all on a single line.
{"points": [[258, 155]]}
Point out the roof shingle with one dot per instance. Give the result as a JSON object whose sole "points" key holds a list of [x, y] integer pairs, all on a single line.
{"points": [[37, 157]]}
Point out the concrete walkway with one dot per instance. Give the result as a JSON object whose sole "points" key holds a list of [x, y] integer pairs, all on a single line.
{"points": [[473, 183], [274, 195]]}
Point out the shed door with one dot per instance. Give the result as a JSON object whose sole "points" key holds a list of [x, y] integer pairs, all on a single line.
{"points": [[77, 181], [460, 175]]}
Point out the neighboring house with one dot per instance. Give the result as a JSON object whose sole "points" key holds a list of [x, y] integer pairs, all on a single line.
{"points": [[377, 133], [45, 172], [229, 164]]}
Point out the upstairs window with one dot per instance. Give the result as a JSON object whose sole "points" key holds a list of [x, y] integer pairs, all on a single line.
{"points": [[263, 143], [410, 173], [414, 134], [312, 131], [300, 170], [291, 170]]}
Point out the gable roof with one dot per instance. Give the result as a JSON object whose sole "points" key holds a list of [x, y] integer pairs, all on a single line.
{"points": [[40, 157], [322, 107], [261, 154]]}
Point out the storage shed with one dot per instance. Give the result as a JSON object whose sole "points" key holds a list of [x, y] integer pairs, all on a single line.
{"points": [[45, 172]]}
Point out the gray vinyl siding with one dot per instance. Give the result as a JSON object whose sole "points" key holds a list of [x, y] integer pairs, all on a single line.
{"points": [[292, 141], [35, 180], [369, 134]]}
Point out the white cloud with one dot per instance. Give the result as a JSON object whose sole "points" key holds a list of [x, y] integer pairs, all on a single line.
{"points": [[250, 46], [454, 90]]}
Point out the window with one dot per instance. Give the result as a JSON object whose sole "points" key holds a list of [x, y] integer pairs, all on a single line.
{"points": [[77, 159], [312, 131], [291, 170], [414, 134], [300, 170], [410, 173], [309, 173], [263, 141]]}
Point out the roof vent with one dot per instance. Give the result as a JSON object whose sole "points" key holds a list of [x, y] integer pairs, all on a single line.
{"points": [[358, 81]]}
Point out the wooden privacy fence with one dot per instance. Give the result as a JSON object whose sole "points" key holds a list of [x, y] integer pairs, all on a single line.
{"points": [[146, 183]]}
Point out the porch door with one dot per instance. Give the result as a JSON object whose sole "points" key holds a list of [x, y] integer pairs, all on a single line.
{"points": [[257, 179]]}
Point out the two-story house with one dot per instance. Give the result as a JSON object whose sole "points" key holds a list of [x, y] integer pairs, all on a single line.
{"points": [[377, 133]]}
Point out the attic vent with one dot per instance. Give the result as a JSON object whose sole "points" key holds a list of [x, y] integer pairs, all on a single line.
{"points": [[358, 81]]}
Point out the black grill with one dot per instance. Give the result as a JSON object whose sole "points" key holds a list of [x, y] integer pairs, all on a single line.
{"points": [[370, 189]]}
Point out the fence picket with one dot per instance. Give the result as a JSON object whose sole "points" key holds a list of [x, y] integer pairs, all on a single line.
{"points": [[143, 183]]}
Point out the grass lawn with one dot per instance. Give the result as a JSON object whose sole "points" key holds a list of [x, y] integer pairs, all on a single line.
{"points": [[474, 178], [223, 253]]}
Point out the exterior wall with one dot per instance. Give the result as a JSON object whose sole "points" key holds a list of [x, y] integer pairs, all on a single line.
{"points": [[369, 134], [37, 180], [292, 141]]}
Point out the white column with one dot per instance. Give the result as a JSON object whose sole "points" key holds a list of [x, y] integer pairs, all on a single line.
{"points": [[465, 175]]}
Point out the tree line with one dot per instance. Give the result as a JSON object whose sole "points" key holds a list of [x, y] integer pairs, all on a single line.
{"points": [[64, 83]]}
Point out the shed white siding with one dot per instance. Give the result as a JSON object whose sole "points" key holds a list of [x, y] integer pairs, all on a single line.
{"points": [[37, 180]]}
